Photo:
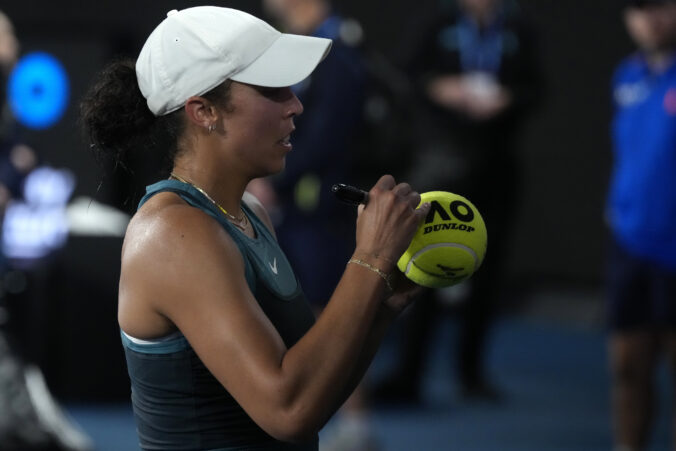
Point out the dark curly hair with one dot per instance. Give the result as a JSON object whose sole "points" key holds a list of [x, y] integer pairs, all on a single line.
{"points": [[116, 119]]}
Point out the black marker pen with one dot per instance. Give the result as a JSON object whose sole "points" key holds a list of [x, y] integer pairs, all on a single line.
{"points": [[350, 194]]}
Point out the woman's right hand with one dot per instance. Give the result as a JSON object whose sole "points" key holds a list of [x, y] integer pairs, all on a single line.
{"points": [[387, 223]]}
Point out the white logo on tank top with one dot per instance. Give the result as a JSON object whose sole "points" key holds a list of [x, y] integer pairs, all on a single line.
{"points": [[273, 266]]}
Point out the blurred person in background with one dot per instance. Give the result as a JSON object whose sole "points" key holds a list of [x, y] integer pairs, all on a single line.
{"points": [[30, 418], [641, 213], [477, 74], [311, 224], [16, 159], [309, 220]]}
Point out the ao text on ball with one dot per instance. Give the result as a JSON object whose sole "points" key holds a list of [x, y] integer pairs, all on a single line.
{"points": [[455, 210]]}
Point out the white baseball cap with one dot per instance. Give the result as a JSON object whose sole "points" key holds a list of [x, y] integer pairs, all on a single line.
{"points": [[194, 50]]}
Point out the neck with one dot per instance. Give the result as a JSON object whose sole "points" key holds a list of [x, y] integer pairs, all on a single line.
{"points": [[659, 60], [223, 187]]}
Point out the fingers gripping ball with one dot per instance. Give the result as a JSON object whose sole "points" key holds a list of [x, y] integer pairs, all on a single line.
{"points": [[449, 245]]}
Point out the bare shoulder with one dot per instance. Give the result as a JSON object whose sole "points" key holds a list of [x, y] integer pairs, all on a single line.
{"points": [[257, 207], [169, 250], [166, 226]]}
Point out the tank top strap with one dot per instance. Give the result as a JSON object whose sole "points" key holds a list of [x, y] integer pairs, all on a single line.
{"points": [[196, 199]]}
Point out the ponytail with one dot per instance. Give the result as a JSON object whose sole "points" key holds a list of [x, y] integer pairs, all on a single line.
{"points": [[116, 119]]}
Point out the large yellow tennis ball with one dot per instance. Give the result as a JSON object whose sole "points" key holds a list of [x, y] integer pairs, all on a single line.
{"points": [[449, 245]]}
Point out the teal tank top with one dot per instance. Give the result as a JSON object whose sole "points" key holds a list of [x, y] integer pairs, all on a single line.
{"points": [[178, 404]]}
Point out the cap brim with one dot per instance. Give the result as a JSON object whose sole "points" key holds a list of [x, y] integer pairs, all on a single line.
{"points": [[289, 60]]}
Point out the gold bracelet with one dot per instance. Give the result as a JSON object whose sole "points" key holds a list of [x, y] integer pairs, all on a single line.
{"points": [[385, 277], [379, 257]]}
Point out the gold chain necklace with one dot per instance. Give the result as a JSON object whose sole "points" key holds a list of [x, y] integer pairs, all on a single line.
{"points": [[240, 223]]}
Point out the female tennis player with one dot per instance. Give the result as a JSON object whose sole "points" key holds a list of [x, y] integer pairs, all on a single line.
{"points": [[222, 349]]}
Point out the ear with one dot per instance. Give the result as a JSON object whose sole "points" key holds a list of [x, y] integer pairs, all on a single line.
{"points": [[200, 112]]}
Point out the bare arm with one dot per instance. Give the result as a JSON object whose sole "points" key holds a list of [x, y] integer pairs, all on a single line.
{"points": [[390, 308], [383, 318]]}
